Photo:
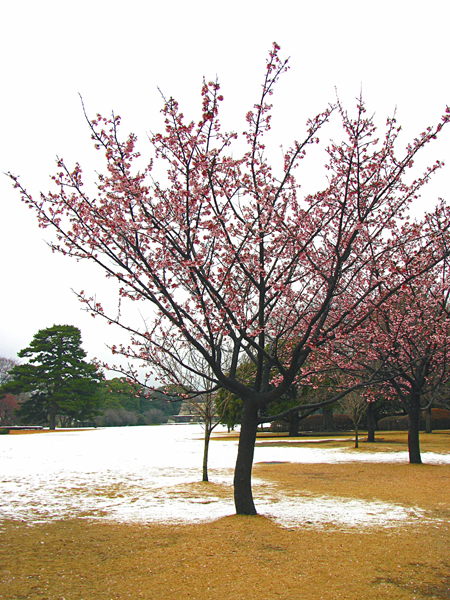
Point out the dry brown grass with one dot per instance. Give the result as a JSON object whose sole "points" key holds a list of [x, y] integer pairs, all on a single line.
{"points": [[242, 558], [424, 486], [231, 559], [30, 431], [385, 441]]}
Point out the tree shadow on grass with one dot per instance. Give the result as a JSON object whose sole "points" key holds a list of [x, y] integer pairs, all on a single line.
{"points": [[426, 580]]}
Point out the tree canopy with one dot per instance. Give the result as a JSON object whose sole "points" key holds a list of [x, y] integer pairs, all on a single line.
{"points": [[57, 378], [235, 264], [408, 344]]}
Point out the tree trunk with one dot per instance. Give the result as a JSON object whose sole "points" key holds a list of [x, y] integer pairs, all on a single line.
{"points": [[243, 497], [370, 423], [294, 422], [428, 428], [413, 430], [356, 436], [52, 418], [205, 451], [327, 418]]}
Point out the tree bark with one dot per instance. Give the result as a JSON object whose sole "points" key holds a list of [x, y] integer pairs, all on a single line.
{"points": [[294, 422], [428, 428], [205, 451], [327, 418], [356, 436], [370, 423], [243, 497], [413, 430], [52, 418]]}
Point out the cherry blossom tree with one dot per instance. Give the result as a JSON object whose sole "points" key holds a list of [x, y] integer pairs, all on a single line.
{"points": [[407, 343], [235, 263]]}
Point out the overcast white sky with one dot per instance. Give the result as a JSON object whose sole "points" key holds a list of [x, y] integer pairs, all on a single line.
{"points": [[117, 54]]}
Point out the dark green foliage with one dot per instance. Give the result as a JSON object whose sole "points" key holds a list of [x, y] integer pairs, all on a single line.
{"points": [[168, 403], [57, 379], [117, 393], [315, 423], [232, 413], [126, 403], [294, 397], [301, 421], [384, 407]]}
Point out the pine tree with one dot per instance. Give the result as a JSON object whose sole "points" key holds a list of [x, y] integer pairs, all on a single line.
{"points": [[57, 378]]}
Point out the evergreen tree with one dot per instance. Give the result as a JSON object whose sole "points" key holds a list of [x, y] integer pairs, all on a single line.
{"points": [[57, 378]]}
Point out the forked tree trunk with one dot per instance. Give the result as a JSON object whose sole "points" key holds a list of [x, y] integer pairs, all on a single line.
{"points": [[243, 497], [370, 423], [413, 430], [205, 450]]}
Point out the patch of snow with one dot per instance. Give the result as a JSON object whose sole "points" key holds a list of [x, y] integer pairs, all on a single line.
{"points": [[339, 455], [135, 474], [344, 512]]}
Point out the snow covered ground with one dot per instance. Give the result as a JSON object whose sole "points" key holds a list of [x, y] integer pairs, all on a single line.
{"points": [[137, 474]]}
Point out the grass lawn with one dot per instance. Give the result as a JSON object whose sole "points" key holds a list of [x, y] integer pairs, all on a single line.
{"points": [[238, 558]]}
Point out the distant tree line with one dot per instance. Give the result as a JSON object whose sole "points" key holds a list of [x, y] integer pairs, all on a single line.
{"points": [[123, 403], [56, 386]]}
